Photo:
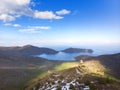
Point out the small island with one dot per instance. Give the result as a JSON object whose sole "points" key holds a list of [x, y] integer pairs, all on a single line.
{"points": [[77, 50]]}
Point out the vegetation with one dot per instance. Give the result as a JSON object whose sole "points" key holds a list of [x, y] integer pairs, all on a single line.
{"points": [[105, 80], [87, 82], [58, 88], [67, 72], [16, 78], [33, 76], [93, 87], [66, 65], [72, 87]]}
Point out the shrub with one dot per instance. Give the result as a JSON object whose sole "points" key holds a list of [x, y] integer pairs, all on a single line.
{"points": [[72, 87], [58, 88], [61, 77], [93, 87], [109, 81], [101, 80], [59, 81], [87, 82]]}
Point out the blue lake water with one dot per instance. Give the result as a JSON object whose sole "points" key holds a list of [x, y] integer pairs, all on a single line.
{"points": [[70, 56], [62, 56]]}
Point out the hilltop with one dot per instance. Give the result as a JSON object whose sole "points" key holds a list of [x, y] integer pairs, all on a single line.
{"points": [[84, 76], [110, 61]]}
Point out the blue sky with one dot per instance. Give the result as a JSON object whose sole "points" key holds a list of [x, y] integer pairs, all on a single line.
{"points": [[59, 22]]}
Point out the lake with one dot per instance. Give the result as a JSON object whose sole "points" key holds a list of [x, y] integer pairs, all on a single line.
{"points": [[62, 56], [70, 56]]}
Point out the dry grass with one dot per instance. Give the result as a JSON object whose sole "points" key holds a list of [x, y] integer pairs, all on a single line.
{"points": [[66, 65], [95, 67]]}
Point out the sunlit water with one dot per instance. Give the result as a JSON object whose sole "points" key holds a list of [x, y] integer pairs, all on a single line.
{"points": [[62, 56], [71, 56]]}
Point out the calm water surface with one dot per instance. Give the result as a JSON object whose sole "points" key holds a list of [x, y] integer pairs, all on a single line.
{"points": [[70, 56]]}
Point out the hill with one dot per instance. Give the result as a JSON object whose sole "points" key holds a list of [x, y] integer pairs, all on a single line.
{"points": [[111, 62], [26, 50], [80, 77], [77, 50], [17, 69]]}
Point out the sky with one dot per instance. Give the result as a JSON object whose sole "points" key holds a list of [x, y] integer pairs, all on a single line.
{"points": [[59, 22]]}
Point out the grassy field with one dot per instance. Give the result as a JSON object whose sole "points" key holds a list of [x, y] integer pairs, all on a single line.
{"points": [[66, 65]]}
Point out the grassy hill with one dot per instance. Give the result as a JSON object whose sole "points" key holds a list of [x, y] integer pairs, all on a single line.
{"points": [[17, 71], [91, 74], [110, 61]]}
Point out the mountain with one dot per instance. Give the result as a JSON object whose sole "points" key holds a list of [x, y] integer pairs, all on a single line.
{"points": [[77, 50], [26, 50], [17, 69], [32, 50], [111, 61], [86, 76]]}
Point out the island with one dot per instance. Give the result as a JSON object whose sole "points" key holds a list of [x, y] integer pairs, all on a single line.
{"points": [[77, 50]]}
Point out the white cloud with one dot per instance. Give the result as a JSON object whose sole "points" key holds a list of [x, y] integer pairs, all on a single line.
{"points": [[34, 29], [6, 17], [12, 9], [39, 27], [46, 15], [27, 30], [63, 12], [14, 25]]}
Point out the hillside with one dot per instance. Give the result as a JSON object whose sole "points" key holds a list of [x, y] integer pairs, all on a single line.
{"points": [[111, 62], [17, 70], [77, 50], [26, 50], [80, 77], [22, 61]]}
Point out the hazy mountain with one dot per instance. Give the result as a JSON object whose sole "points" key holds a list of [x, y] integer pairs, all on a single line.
{"points": [[77, 50], [27, 50]]}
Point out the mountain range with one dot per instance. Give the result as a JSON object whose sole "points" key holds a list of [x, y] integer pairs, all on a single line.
{"points": [[33, 50]]}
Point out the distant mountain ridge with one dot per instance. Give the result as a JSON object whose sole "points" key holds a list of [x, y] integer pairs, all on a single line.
{"points": [[33, 50], [27, 50], [77, 50]]}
